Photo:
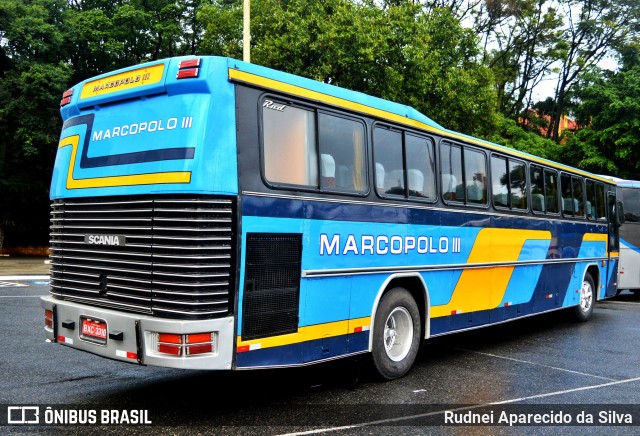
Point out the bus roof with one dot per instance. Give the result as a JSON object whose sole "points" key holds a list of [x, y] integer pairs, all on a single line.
{"points": [[355, 101]]}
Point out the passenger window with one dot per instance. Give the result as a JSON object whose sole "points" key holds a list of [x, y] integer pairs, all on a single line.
{"points": [[499, 181], [590, 204], [387, 152], [518, 184], [421, 167], [475, 169], [537, 188], [509, 183], [551, 191], [451, 167], [578, 196], [601, 205], [567, 196], [342, 153], [289, 143]]}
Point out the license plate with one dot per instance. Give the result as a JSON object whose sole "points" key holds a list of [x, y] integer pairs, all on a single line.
{"points": [[94, 330]]}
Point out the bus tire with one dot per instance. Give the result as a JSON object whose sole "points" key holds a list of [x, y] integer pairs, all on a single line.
{"points": [[584, 309], [396, 334]]}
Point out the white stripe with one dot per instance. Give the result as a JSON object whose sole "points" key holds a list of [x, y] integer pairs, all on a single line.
{"points": [[537, 364], [439, 412]]}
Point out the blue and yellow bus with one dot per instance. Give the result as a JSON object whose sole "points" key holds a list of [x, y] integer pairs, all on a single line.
{"points": [[213, 214]]}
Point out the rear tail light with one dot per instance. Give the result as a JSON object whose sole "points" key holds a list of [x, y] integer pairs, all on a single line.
{"points": [[48, 319], [66, 97], [189, 69], [185, 345]]}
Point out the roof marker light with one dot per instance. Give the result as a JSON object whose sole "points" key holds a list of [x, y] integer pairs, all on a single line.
{"points": [[189, 69], [66, 97]]}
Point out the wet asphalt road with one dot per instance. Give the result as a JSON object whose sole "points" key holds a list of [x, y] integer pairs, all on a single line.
{"points": [[535, 365]]}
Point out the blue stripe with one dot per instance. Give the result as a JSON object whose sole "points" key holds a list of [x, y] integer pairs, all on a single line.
{"points": [[304, 352]]}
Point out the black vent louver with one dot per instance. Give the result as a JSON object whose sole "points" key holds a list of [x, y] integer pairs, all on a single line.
{"points": [[272, 284]]}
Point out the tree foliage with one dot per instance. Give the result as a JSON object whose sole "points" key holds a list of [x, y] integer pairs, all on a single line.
{"points": [[610, 109], [394, 50], [471, 65]]}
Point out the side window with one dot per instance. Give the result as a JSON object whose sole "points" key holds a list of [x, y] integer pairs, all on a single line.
{"points": [[536, 179], [566, 195], [499, 181], [631, 199], [451, 172], [289, 143], [475, 169], [387, 152], [509, 183], [578, 196], [590, 203], [551, 191], [342, 153], [420, 158], [518, 184], [601, 204]]}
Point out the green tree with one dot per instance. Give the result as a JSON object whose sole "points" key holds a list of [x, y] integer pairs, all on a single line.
{"points": [[46, 46], [610, 110], [394, 50]]}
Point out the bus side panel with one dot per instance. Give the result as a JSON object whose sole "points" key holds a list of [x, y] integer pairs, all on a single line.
{"points": [[629, 263]]}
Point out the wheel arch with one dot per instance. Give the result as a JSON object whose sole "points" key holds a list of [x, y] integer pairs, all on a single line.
{"points": [[416, 286], [594, 271]]}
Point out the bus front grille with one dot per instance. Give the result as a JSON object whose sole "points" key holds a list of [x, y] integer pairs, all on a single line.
{"points": [[170, 256]]}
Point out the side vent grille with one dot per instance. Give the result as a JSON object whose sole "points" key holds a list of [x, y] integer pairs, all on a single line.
{"points": [[272, 285]]}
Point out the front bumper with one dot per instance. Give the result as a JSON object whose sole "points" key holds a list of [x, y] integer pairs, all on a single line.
{"points": [[132, 337]]}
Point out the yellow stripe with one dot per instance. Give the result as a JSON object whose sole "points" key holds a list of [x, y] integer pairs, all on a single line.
{"points": [[112, 181], [484, 288], [309, 333], [595, 237], [254, 79]]}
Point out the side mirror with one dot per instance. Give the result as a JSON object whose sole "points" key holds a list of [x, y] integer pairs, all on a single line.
{"points": [[619, 213]]}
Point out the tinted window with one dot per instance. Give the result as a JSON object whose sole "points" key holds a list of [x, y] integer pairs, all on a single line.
{"points": [[518, 184], [451, 168], [342, 153], [536, 177], [389, 166], [289, 145], [578, 196], [551, 191], [631, 199], [420, 167], [475, 170], [499, 181], [601, 205], [590, 203], [567, 196]]}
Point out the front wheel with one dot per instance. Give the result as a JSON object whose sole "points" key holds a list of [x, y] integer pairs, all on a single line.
{"points": [[396, 334], [584, 310]]}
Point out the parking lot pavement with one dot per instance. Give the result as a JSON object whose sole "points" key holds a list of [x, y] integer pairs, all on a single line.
{"points": [[535, 365]]}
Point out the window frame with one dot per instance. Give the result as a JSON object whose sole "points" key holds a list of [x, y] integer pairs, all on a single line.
{"points": [[545, 170], [403, 136], [463, 147], [316, 111], [508, 159], [572, 177]]}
